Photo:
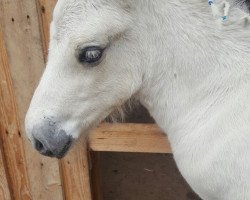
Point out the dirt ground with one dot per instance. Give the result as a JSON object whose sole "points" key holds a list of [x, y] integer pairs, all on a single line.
{"points": [[127, 176]]}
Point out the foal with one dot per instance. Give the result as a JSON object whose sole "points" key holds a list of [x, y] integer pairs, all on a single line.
{"points": [[187, 62]]}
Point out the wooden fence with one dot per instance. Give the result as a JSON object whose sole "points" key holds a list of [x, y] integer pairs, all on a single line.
{"points": [[24, 173]]}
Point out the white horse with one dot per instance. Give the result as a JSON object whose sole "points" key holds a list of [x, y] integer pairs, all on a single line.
{"points": [[187, 62]]}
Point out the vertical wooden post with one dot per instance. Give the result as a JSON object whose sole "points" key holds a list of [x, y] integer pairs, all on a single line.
{"points": [[45, 9], [75, 172]]}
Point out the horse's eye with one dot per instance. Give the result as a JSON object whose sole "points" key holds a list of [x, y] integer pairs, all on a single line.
{"points": [[90, 54]]}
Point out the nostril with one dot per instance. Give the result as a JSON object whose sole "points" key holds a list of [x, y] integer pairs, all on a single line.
{"points": [[48, 153], [51, 142], [38, 145]]}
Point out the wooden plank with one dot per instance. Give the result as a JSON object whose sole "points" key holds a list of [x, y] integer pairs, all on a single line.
{"points": [[10, 134], [45, 9], [146, 138], [75, 173], [20, 24], [4, 186]]}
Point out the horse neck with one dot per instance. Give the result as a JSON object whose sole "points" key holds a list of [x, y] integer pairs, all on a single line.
{"points": [[193, 64]]}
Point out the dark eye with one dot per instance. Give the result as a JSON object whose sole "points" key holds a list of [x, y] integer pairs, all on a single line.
{"points": [[90, 54]]}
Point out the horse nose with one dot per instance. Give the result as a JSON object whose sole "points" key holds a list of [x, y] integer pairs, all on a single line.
{"points": [[56, 148], [50, 141], [42, 149]]}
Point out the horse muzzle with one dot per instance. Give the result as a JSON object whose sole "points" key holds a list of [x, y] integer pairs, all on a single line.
{"points": [[50, 140]]}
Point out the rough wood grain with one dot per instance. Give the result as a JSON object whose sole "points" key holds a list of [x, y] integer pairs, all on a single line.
{"points": [[4, 186], [45, 10], [146, 138], [20, 22], [9, 132], [75, 173]]}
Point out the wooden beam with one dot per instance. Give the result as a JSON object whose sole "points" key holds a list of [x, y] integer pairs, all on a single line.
{"points": [[145, 138], [75, 173]]}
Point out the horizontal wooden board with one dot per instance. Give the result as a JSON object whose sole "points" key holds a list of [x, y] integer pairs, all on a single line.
{"points": [[146, 138]]}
